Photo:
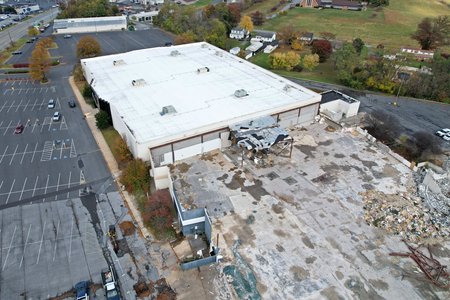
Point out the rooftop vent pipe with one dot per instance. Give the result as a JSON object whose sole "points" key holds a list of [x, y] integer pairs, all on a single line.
{"points": [[203, 70], [240, 93]]}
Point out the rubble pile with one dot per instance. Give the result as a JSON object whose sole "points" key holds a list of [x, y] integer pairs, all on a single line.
{"points": [[404, 215]]}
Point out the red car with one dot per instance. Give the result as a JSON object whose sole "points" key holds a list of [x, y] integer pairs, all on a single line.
{"points": [[19, 129]]}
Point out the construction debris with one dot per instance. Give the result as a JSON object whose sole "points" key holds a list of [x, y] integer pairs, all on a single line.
{"points": [[433, 270], [403, 215]]}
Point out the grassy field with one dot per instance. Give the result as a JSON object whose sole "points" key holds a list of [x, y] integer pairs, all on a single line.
{"points": [[391, 26], [112, 138], [201, 3]]}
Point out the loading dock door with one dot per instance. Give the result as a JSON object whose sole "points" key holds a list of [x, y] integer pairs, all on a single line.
{"points": [[307, 114]]}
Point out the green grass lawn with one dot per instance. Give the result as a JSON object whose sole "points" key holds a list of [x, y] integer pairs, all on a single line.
{"points": [[323, 73], [201, 3], [6, 54], [391, 26], [112, 138]]}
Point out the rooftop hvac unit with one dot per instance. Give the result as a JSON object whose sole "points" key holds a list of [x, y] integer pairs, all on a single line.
{"points": [[203, 70], [166, 110], [240, 93], [204, 46], [138, 82], [174, 53], [118, 62]]}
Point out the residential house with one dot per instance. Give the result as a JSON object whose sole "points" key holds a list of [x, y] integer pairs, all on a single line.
{"points": [[340, 4], [307, 37], [309, 3], [417, 53], [264, 36], [239, 33]]}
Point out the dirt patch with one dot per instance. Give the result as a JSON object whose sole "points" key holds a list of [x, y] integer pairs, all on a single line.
{"points": [[208, 156], [299, 273], [379, 284], [279, 248], [159, 290], [357, 287], [310, 260], [339, 155], [325, 143], [223, 177], [339, 275], [330, 129], [281, 233], [243, 231], [390, 171], [331, 294], [277, 208], [183, 167], [236, 181], [288, 199], [307, 242], [306, 149], [256, 190], [127, 228]]}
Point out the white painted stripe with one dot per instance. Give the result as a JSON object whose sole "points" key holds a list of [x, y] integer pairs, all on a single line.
{"points": [[12, 157], [42, 239], [23, 187], [35, 184], [4, 154], [24, 152], [9, 194], [25, 247], [9, 248]]}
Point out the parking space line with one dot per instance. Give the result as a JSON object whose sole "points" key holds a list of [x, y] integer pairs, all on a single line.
{"points": [[46, 185], [73, 151], [56, 239], [4, 154], [3, 106], [70, 244], [1, 124], [9, 248], [9, 194], [34, 104], [35, 184], [23, 188], [34, 152], [63, 125], [24, 152], [68, 184], [4, 133], [18, 106], [10, 106], [57, 186], [12, 157], [26, 105], [42, 104], [25, 246], [47, 151], [42, 239], [1, 184], [20, 90]]}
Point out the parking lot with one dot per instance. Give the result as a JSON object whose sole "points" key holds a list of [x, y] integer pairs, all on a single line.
{"points": [[57, 197]]}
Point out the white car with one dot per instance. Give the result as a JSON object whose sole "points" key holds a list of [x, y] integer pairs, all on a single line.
{"points": [[56, 116], [51, 103], [446, 137], [446, 130]]}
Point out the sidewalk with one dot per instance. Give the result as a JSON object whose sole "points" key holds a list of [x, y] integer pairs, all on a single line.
{"points": [[89, 113]]}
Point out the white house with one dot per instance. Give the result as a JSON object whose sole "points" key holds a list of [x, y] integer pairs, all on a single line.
{"points": [[96, 24], [337, 106], [264, 36], [239, 33], [185, 105], [144, 16]]}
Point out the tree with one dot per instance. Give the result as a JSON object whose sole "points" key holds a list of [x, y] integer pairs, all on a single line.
{"points": [[310, 61], [284, 61], [32, 31], [135, 177], [258, 18], [88, 46], [287, 34], [297, 45], [123, 151], [358, 44], [102, 120], [235, 13], [433, 33], [327, 35], [185, 38], [9, 10], [345, 61], [292, 59], [215, 33], [322, 48], [158, 214], [46, 42], [246, 23], [39, 63]]}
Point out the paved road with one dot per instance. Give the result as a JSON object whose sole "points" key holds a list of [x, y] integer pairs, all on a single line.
{"points": [[21, 29], [413, 114]]}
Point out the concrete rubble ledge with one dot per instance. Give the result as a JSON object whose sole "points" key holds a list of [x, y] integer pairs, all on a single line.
{"points": [[89, 114]]}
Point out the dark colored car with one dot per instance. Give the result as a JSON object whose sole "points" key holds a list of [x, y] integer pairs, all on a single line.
{"points": [[16, 53], [82, 290], [72, 103], [19, 129], [168, 44], [30, 41]]}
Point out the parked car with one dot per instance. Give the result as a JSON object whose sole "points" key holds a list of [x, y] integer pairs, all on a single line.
{"points": [[82, 290], [67, 36], [168, 44], [110, 284], [72, 103], [16, 53], [51, 103], [30, 41], [19, 129], [444, 133], [56, 116]]}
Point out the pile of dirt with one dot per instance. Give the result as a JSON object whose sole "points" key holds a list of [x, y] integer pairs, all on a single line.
{"points": [[159, 290], [127, 228]]}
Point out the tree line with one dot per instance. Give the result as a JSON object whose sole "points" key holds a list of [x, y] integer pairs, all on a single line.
{"points": [[87, 8]]}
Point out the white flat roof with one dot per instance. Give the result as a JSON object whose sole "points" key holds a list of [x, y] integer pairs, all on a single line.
{"points": [[204, 101]]}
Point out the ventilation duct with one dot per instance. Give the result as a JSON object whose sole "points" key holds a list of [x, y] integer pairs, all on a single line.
{"points": [[138, 82], [174, 53], [167, 110], [203, 70], [240, 93]]}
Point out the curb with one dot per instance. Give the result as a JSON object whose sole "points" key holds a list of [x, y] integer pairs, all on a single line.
{"points": [[89, 114]]}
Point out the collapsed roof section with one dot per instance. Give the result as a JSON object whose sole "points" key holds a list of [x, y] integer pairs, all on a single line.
{"points": [[259, 134]]}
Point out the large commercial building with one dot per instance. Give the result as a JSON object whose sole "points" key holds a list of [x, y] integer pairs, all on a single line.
{"points": [[170, 103], [95, 24]]}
